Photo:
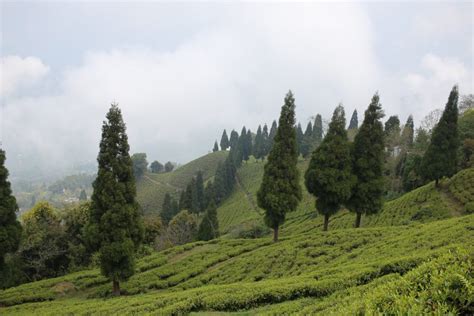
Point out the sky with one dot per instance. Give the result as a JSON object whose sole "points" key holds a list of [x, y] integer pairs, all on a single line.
{"points": [[183, 71]]}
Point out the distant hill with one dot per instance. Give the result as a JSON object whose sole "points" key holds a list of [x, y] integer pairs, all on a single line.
{"points": [[152, 187], [420, 205]]}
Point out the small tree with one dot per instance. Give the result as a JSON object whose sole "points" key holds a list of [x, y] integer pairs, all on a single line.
{"points": [[258, 148], [224, 141], [10, 228], [280, 191], [167, 210], [367, 163], [200, 191], [140, 164], [329, 176], [234, 139], [307, 140], [182, 228], [440, 159], [156, 167], [266, 141], [83, 195], [354, 123], [216, 147], [209, 227], [317, 131], [115, 228], [169, 166]]}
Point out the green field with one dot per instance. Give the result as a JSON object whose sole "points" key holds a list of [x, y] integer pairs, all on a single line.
{"points": [[414, 257], [152, 187]]}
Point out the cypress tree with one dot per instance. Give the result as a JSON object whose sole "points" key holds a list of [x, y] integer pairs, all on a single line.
{"points": [[266, 141], [243, 146], [234, 139], [10, 228], [183, 201], [115, 227], [299, 137], [408, 133], [259, 145], [216, 147], [220, 183], [271, 136], [249, 144], [200, 191], [224, 141], [209, 194], [354, 123], [329, 176], [440, 159], [280, 191], [317, 131], [209, 227], [367, 163], [167, 211], [307, 140]]}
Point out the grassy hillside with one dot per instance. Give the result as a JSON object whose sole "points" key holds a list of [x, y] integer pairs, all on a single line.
{"points": [[152, 188], [340, 271], [454, 197]]}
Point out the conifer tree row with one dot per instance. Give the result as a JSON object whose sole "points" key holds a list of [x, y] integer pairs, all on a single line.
{"points": [[115, 227], [280, 191]]}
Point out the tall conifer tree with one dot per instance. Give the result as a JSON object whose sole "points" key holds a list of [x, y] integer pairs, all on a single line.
{"points": [[440, 159], [367, 163], [329, 176], [216, 147], [266, 140], [10, 228], [317, 131], [307, 140], [200, 191], [234, 139], [280, 191], [271, 136], [299, 137], [209, 227], [115, 228], [258, 148], [224, 141]]}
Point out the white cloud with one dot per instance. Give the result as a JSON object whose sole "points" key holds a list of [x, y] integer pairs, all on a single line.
{"points": [[16, 72], [429, 87]]}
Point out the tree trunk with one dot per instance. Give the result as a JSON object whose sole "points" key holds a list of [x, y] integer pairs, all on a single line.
{"points": [[326, 222], [436, 183], [358, 217], [275, 234], [116, 288]]}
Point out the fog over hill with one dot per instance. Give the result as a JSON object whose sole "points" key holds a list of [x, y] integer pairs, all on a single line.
{"points": [[183, 72]]}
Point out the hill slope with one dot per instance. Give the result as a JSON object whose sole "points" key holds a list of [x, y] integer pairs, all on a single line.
{"points": [[152, 187], [315, 272], [454, 197]]}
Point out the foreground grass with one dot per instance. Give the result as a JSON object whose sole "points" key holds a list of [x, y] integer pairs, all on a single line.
{"points": [[401, 267]]}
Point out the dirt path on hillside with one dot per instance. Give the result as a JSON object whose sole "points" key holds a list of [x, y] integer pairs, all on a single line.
{"points": [[162, 183], [456, 207]]}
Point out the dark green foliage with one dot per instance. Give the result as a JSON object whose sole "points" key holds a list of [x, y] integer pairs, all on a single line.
{"points": [[169, 209], [200, 191], [191, 192], [266, 140], [234, 139], [244, 146], [10, 229], [169, 166], [115, 229], [367, 163], [466, 136], [280, 191], [153, 227], [259, 146], [354, 123], [224, 141], [249, 143], [209, 227], [299, 137], [392, 125], [209, 194], [305, 148], [271, 136], [75, 219], [216, 147], [44, 245], [408, 134], [140, 164], [440, 159], [317, 131], [156, 167], [329, 175]]}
